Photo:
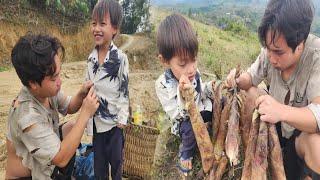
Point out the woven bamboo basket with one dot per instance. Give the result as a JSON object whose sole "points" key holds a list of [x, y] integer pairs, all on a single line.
{"points": [[139, 149]]}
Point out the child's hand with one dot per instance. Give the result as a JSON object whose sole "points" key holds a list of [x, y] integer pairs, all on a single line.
{"points": [[184, 83], [85, 88], [90, 103], [121, 126]]}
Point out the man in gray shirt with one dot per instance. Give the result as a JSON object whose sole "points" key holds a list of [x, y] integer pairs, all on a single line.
{"points": [[37, 146], [289, 63]]}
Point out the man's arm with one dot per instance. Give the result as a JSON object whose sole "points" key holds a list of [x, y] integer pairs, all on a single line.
{"points": [[304, 119], [71, 142], [300, 118], [256, 73]]}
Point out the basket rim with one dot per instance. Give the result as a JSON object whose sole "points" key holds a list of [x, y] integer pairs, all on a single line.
{"points": [[144, 126]]}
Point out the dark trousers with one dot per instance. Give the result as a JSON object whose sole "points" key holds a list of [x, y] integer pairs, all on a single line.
{"points": [[66, 172], [188, 140], [108, 149], [295, 168]]}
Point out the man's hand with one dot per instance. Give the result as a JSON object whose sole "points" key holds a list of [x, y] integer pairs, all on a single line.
{"points": [[240, 79], [184, 83], [90, 103], [231, 80], [77, 100], [270, 110], [85, 88]]}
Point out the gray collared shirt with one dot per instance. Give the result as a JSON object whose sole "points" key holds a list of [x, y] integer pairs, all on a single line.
{"points": [[303, 85], [167, 89], [39, 145], [111, 85]]}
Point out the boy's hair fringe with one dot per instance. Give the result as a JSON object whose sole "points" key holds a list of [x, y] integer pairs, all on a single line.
{"points": [[111, 7], [176, 37]]}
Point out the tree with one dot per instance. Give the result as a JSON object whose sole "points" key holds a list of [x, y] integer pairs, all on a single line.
{"points": [[189, 12], [71, 8], [135, 14], [145, 24]]}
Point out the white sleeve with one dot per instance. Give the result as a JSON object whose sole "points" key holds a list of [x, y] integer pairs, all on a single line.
{"points": [[172, 104], [123, 104]]}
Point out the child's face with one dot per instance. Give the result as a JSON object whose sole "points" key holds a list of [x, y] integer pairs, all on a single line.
{"points": [[102, 31], [183, 66]]}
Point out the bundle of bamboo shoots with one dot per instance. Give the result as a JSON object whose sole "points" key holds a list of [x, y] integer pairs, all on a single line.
{"points": [[263, 152], [233, 121]]}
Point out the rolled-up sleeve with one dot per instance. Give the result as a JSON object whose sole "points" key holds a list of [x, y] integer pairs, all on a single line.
{"points": [[258, 70], [313, 88], [63, 103], [39, 138], [315, 109]]}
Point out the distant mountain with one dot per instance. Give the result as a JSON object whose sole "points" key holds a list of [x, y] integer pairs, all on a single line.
{"points": [[175, 2], [208, 2]]}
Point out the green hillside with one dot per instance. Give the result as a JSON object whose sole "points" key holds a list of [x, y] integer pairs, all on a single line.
{"points": [[219, 50]]}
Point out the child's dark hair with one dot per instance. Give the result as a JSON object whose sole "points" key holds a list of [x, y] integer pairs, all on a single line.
{"points": [[292, 18], [176, 38], [33, 57], [111, 7]]}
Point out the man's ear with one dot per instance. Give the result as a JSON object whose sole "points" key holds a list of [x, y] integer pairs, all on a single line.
{"points": [[163, 61], [301, 46]]}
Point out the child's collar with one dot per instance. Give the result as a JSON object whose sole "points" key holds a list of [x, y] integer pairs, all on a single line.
{"points": [[93, 57]]}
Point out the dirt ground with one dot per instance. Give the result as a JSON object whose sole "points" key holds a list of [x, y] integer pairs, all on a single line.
{"points": [[72, 77], [144, 70]]}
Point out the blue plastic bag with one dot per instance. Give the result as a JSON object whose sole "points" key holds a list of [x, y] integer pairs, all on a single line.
{"points": [[84, 163]]}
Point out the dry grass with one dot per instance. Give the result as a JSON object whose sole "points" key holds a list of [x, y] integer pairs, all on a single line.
{"points": [[78, 45]]}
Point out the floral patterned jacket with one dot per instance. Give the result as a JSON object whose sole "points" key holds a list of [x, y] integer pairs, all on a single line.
{"points": [[111, 85]]}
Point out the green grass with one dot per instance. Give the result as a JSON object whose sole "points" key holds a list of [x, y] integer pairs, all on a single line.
{"points": [[219, 51], [2, 68]]}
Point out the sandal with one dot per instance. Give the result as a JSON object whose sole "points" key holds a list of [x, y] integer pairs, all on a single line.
{"points": [[184, 170]]}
